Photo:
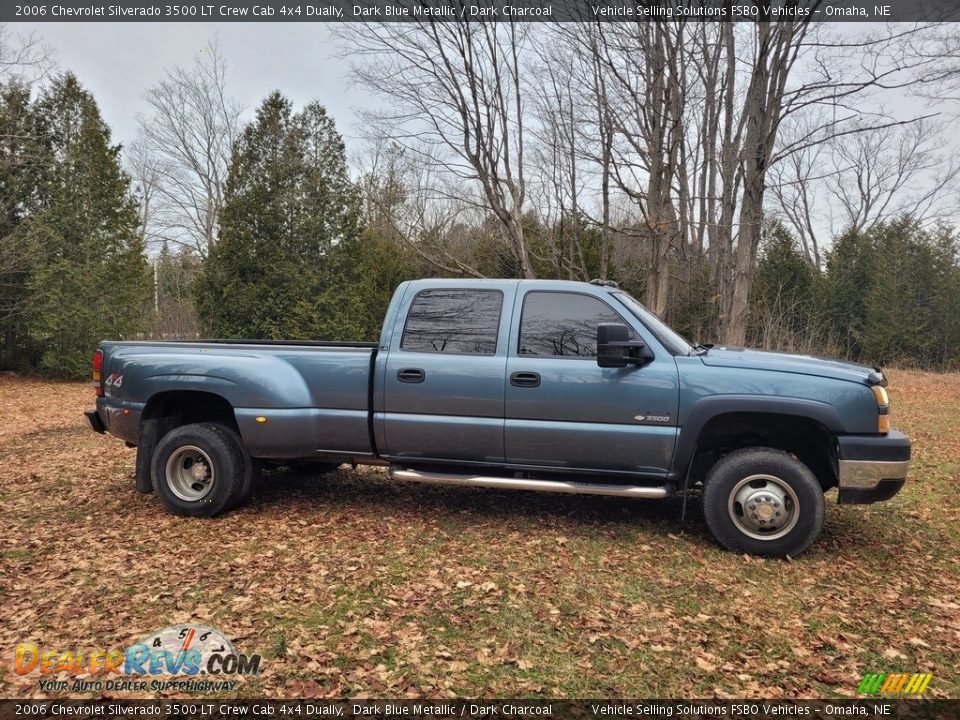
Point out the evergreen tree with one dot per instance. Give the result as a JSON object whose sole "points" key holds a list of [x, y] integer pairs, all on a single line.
{"points": [[288, 203], [366, 271], [851, 265], [782, 312], [91, 277], [892, 295], [22, 155], [911, 293], [945, 341]]}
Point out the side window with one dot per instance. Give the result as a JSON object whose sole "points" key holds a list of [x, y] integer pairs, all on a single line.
{"points": [[453, 321], [563, 324]]}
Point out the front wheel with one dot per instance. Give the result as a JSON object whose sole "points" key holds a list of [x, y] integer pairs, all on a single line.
{"points": [[200, 470], [764, 502]]}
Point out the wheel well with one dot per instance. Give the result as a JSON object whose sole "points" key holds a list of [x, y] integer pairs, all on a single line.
{"points": [[189, 406], [168, 410], [809, 440]]}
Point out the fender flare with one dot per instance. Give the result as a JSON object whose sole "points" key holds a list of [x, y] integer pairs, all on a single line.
{"points": [[708, 408]]}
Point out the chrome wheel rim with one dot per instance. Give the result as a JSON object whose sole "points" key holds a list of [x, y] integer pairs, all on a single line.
{"points": [[764, 507], [190, 473]]}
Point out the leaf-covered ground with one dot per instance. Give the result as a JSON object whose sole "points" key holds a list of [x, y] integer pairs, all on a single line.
{"points": [[352, 585]]}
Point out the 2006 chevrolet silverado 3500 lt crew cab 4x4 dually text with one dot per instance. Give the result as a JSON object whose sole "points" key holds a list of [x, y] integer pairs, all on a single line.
{"points": [[519, 384]]}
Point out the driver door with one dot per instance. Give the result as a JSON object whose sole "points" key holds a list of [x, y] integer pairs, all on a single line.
{"points": [[564, 411]]}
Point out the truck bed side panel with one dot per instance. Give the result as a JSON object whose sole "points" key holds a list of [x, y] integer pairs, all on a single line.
{"points": [[313, 398]]}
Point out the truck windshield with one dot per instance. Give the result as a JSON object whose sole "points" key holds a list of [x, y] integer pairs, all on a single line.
{"points": [[673, 341]]}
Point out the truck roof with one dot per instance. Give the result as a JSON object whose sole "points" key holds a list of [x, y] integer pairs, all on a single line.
{"points": [[609, 284]]}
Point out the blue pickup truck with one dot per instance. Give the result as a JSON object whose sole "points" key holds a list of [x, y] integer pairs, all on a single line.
{"points": [[514, 384]]}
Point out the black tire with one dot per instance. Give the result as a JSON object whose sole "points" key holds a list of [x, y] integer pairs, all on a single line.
{"points": [[200, 470], [248, 479], [764, 502]]}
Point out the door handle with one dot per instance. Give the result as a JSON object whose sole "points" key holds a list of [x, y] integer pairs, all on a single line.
{"points": [[525, 379], [411, 375]]}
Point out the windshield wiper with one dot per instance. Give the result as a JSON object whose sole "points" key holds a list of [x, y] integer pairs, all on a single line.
{"points": [[700, 349]]}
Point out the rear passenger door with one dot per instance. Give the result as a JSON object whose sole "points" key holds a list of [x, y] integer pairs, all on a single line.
{"points": [[444, 375]]}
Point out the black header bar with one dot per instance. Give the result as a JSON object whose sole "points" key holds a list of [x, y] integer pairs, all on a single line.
{"points": [[198, 708], [459, 10]]}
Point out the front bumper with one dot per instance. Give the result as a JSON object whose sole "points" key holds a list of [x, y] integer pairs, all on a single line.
{"points": [[872, 468]]}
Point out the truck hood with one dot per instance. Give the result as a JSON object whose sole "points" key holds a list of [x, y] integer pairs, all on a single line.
{"points": [[725, 356]]}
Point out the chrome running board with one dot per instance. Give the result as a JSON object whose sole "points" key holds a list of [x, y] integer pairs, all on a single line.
{"points": [[505, 483]]}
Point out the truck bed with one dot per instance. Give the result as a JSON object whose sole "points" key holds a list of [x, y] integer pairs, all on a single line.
{"points": [[312, 398]]}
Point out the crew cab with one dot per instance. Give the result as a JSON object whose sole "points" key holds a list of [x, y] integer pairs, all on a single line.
{"points": [[553, 386]]}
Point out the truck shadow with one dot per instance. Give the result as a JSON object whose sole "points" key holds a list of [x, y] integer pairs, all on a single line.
{"points": [[370, 491]]}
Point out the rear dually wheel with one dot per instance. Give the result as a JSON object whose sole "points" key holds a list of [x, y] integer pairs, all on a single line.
{"points": [[200, 470]]}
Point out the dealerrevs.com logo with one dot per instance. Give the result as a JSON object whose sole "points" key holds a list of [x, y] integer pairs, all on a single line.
{"points": [[190, 658]]}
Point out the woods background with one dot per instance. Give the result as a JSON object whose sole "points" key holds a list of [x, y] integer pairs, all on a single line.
{"points": [[785, 185]]}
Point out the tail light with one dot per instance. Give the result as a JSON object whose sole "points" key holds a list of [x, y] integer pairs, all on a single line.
{"points": [[97, 365]]}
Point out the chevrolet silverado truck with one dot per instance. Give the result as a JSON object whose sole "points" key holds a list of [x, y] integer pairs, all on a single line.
{"points": [[554, 386]]}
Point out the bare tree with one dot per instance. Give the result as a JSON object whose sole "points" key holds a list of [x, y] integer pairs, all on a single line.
{"points": [[146, 178], [933, 51], [644, 67], [456, 101], [185, 147], [667, 135], [576, 118], [405, 201], [797, 187], [857, 181], [557, 102], [24, 57], [776, 48]]}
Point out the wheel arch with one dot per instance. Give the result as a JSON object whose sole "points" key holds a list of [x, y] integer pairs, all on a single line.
{"points": [[806, 428], [168, 409], [192, 406]]}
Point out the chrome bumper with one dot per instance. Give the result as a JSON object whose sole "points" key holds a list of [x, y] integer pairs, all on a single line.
{"points": [[867, 474], [872, 468]]}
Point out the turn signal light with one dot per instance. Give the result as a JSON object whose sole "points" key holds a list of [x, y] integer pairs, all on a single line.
{"points": [[883, 408]]}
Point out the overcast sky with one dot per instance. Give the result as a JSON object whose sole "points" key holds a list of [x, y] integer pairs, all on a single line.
{"points": [[118, 61]]}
